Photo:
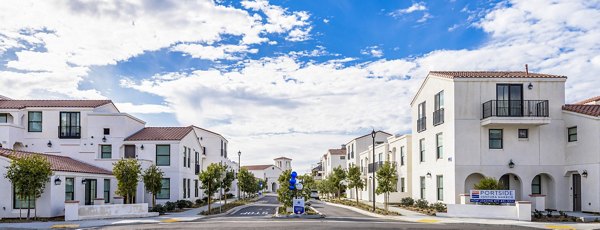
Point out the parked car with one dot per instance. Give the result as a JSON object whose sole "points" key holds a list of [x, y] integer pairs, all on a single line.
{"points": [[314, 195]]}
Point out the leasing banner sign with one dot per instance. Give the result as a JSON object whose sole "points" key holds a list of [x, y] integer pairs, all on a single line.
{"points": [[493, 196]]}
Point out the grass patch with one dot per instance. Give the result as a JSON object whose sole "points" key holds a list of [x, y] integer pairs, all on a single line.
{"points": [[365, 207], [307, 211]]}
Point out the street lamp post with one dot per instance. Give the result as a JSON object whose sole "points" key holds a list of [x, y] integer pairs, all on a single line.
{"points": [[238, 174], [373, 168]]}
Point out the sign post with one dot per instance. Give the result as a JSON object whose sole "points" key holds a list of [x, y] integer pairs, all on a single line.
{"points": [[493, 196], [297, 203]]}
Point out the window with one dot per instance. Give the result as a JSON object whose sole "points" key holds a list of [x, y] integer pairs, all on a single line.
{"points": [[184, 189], [402, 155], [22, 202], [34, 120], [165, 189], [105, 151], [361, 165], [352, 150], [422, 150], [438, 107], [189, 157], [189, 194], [422, 195], [421, 121], [536, 185], [572, 132], [163, 155], [184, 156], [341, 158], [380, 157], [495, 138], [195, 188], [69, 125], [523, 133], [3, 118], [221, 147], [440, 187], [106, 131], [106, 191], [70, 189], [402, 185], [439, 141]]}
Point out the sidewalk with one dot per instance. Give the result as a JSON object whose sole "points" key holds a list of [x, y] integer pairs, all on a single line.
{"points": [[411, 216], [188, 215]]}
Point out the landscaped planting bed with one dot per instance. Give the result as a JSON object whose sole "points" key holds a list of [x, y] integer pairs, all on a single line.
{"points": [[363, 206]]}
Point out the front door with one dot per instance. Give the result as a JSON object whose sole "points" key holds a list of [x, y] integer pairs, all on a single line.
{"points": [[90, 191], [509, 100], [576, 192], [129, 151]]}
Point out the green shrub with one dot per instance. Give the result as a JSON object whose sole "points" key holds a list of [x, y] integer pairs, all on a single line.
{"points": [[438, 207], [159, 208], [407, 201], [199, 202], [170, 206], [422, 203]]}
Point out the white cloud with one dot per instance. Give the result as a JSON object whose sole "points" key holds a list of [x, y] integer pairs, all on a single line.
{"points": [[229, 52], [143, 109], [417, 6], [426, 16], [374, 51]]}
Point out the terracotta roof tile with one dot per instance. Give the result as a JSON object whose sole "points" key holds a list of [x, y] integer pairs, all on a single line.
{"points": [[20, 104], [58, 163], [491, 74], [160, 134], [256, 167], [280, 158], [337, 151], [591, 110], [589, 100]]}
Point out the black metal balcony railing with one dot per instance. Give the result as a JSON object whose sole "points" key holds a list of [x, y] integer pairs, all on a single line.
{"points": [[421, 124], [515, 108], [69, 132], [378, 165], [438, 117]]}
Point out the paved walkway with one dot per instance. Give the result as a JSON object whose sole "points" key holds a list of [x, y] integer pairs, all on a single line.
{"points": [[412, 216], [188, 215]]}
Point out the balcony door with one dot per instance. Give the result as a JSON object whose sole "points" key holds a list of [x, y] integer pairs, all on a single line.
{"points": [[91, 187], [509, 100]]}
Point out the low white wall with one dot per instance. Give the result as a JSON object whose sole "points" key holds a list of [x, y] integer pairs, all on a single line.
{"points": [[73, 211], [520, 211]]}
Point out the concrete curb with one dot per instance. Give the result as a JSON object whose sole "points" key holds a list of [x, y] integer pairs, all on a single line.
{"points": [[367, 213]]}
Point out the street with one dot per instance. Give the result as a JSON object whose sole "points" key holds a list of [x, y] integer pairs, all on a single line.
{"points": [[259, 216]]}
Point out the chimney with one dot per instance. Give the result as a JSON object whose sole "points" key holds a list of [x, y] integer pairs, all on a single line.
{"points": [[343, 146], [526, 70]]}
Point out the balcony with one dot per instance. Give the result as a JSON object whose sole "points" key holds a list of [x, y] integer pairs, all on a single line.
{"points": [[529, 112], [438, 117], [69, 132], [421, 124]]}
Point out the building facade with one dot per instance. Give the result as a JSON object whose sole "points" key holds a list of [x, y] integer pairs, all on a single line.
{"points": [[353, 150], [270, 173], [333, 158]]}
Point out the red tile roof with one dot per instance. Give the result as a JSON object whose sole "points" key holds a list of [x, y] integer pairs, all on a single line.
{"points": [[257, 167], [282, 158], [491, 74], [591, 110], [337, 151], [20, 104], [160, 134], [593, 99], [58, 163]]}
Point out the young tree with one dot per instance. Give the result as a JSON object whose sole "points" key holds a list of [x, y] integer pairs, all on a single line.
{"points": [[387, 181], [227, 180], [29, 176], [153, 181], [337, 180], [127, 172], [210, 180], [285, 195], [308, 184], [245, 180], [354, 180]]}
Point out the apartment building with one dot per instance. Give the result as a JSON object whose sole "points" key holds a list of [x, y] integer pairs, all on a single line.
{"points": [[270, 172], [97, 134], [333, 158], [513, 126], [358, 145]]}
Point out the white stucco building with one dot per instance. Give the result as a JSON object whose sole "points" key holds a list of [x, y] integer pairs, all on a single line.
{"points": [[96, 133], [270, 172], [333, 158], [357, 146], [513, 126]]}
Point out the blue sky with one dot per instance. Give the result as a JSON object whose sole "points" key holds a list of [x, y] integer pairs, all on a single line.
{"points": [[284, 78]]}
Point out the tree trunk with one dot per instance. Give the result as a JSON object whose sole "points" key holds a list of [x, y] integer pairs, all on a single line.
{"points": [[28, 207], [356, 188], [209, 195], [153, 200], [35, 208], [387, 197]]}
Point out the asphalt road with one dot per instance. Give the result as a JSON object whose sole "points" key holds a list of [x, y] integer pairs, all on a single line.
{"points": [[333, 212], [264, 207]]}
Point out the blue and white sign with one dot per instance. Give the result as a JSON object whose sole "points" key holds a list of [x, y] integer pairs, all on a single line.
{"points": [[493, 196], [298, 206]]}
